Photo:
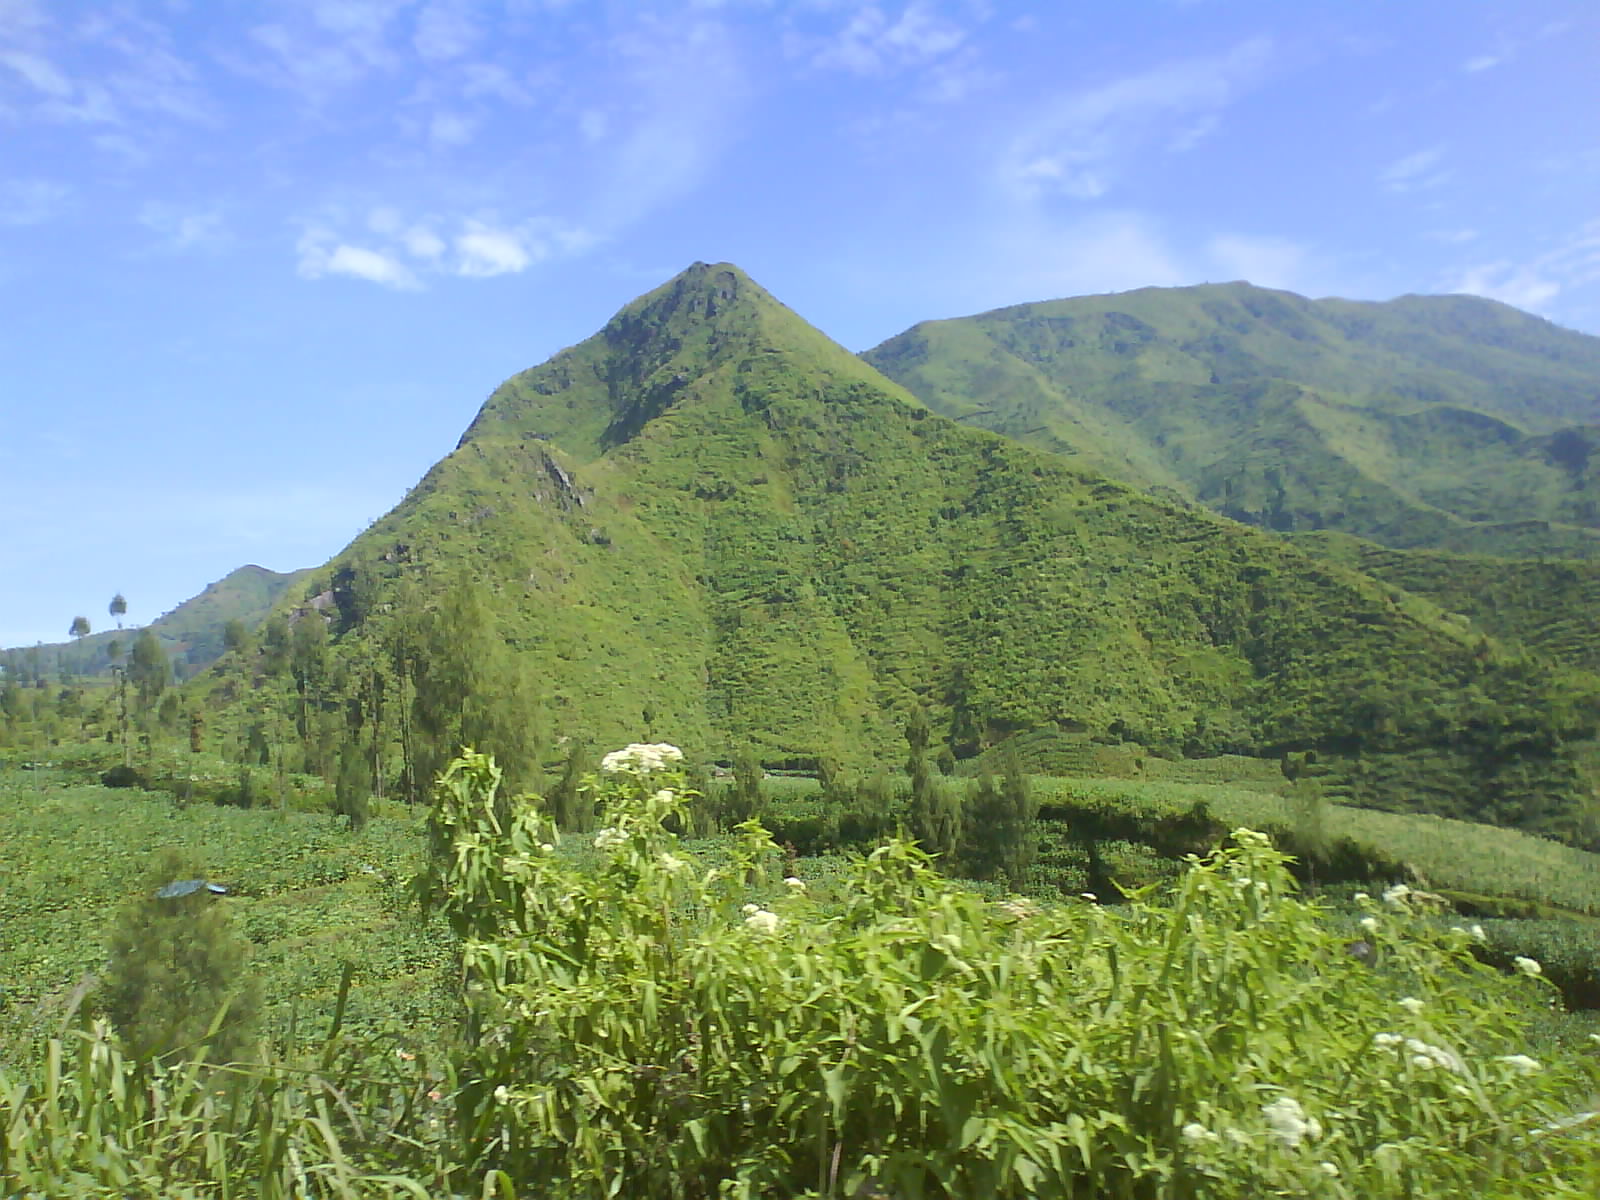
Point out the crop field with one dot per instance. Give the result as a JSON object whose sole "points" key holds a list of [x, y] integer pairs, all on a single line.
{"points": [[1455, 855], [307, 894]]}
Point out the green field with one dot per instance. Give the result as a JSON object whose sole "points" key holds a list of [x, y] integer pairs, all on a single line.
{"points": [[308, 895]]}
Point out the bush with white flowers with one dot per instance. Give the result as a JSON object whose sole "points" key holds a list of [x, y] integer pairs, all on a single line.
{"points": [[643, 1027]]}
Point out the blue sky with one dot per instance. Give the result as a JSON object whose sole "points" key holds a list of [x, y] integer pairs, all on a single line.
{"points": [[263, 261]]}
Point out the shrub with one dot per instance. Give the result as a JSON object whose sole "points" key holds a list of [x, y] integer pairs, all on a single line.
{"points": [[653, 1026]]}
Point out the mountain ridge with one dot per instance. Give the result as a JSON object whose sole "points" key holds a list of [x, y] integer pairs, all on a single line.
{"points": [[1446, 422]]}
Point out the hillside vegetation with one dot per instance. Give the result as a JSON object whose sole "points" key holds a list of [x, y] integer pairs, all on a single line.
{"points": [[1448, 422], [710, 518]]}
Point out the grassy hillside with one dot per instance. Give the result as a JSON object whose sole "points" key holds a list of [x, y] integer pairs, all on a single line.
{"points": [[710, 521], [1548, 606], [191, 634], [1447, 422]]}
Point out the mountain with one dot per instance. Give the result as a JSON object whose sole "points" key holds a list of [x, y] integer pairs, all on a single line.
{"points": [[1445, 422], [191, 634], [709, 522]]}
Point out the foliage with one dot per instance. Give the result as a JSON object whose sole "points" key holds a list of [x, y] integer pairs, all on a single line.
{"points": [[689, 1042], [177, 979]]}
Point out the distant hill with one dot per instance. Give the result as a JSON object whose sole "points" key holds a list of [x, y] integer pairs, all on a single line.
{"points": [[711, 523], [191, 634], [1443, 422]]}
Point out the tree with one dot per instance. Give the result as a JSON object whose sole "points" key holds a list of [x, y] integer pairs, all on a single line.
{"points": [[566, 805], [176, 969], [148, 669], [935, 807], [352, 788], [118, 608], [234, 635], [80, 628]]}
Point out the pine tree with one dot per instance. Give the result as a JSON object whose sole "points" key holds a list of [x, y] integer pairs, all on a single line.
{"points": [[175, 968]]}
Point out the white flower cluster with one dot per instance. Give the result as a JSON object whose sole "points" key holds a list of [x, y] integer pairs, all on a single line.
{"points": [[1289, 1123], [610, 838], [641, 758], [1424, 1056], [1250, 837], [1520, 1063], [760, 919], [1396, 895], [795, 884], [1528, 966]]}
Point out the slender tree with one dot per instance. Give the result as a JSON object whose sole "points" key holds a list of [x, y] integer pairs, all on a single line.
{"points": [[79, 629], [118, 608]]}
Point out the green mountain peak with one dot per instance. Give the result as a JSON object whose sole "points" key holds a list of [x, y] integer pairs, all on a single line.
{"points": [[654, 355]]}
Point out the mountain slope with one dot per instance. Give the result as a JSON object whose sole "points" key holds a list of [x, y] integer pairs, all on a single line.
{"points": [[710, 522], [1444, 422], [191, 634]]}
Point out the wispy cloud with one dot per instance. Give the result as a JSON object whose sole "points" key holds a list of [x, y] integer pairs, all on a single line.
{"points": [[401, 253], [321, 253], [1481, 62], [1266, 261], [180, 229], [1086, 140], [1572, 264], [874, 42], [1415, 172], [32, 201]]}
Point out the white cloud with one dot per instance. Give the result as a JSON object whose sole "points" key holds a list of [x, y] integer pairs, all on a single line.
{"points": [[421, 242], [485, 251], [1106, 252], [1415, 172], [183, 229], [32, 201], [320, 254], [451, 129], [1274, 262], [1079, 147], [38, 72], [1481, 62], [1522, 287], [873, 43], [446, 29], [1573, 264], [1452, 237]]}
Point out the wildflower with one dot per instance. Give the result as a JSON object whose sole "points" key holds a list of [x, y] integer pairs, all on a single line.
{"points": [[640, 758], [609, 838], [1289, 1123], [1412, 1005], [795, 884], [1331, 1170], [1362, 897], [1396, 895], [664, 796], [1249, 837], [1528, 966], [1195, 1133], [671, 863], [1370, 924], [501, 1095], [751, 908], [762, 921], [1521, 1063], [1090, 897], [1478, 934], [547, 848], [1428, 1056], [1387, 1041]]}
